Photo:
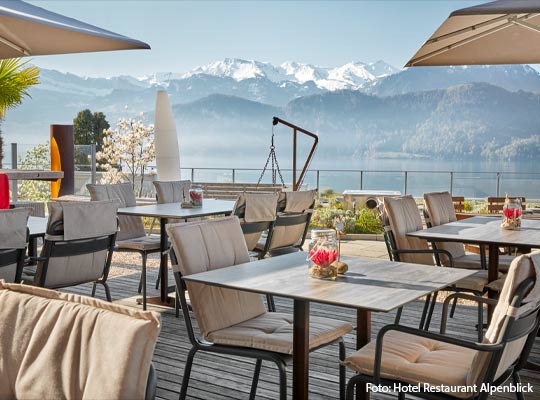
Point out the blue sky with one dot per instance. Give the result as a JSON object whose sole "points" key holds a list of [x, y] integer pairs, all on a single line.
{"points": [[186, 34]]}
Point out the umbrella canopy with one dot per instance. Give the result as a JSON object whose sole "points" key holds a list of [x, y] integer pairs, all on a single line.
{"points": [[500, 32], [29, 30]]}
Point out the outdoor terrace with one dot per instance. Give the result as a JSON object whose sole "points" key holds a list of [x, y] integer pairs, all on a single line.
{"points": [[221, 377]]}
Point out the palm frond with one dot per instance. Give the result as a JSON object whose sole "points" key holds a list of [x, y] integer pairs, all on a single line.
{"points": [[15, 81]]}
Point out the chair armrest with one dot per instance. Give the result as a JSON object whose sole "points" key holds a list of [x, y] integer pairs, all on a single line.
{"points": [[426, 334], [427, 251], [459, 295], [35, 259]]}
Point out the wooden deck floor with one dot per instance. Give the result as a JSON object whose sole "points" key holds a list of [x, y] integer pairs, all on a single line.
{"points": [[223, 377]]}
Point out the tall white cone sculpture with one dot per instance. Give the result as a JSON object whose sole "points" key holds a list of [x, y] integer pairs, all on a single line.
{"points": [[167, 153]]}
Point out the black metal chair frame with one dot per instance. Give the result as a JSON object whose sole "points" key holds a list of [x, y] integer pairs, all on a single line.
{"points": [[513, 329], [280, 360], [13, 256], [67, 248], [431, 299], [289, 219], [151, 384]]}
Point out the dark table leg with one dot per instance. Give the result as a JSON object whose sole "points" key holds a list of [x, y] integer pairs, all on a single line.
{"points": [[493, 274], [164, 262], [301, 350], [363, 337]]}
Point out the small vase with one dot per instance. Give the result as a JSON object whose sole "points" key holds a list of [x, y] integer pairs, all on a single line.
{"points": [[196, 195], [323, 252], [512, 212]]}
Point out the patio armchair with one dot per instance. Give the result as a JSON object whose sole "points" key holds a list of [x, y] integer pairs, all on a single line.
{"points": [[13, 243], [235, 322], [401, 216], [439, 210], [439, 359], [257, 213], [170, 192], [68, 346], [131, 237], [78, 246], [291, 224]]}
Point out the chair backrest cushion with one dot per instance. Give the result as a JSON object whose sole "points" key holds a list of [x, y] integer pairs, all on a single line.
{"points": [[299, 201], [522, 268], [130, 227], [12, 236], [258, 207], [172, 191], [72, 347], [404, 217], [80, 220], [208, 245], [440, 209], [284, 235]]}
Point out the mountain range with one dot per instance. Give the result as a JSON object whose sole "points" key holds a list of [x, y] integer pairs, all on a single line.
{"points": [[358, 109]]}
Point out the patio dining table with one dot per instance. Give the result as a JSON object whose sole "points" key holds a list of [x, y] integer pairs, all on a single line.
{"points": [[370, 285], [486, 231], [164, 212]]}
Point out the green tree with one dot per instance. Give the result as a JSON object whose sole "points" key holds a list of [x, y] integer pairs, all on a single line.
{"points": [[15, 80], [88, 128], [35, 158]]}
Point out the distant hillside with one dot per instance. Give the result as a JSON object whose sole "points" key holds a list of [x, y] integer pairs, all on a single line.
{"points": [[466, 121], [509, 77]]}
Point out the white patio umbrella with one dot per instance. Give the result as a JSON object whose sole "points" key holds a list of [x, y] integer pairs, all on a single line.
{"points": [[500, 32], [167, 152], [28, 30]]}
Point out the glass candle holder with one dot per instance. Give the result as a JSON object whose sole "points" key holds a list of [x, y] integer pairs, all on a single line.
{"points": [[512, 212], [323, 252], [196, 195]]}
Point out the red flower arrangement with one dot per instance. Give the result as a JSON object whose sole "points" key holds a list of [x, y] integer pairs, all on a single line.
{"points": [[195, 196], [322, 257], [512, 212]]}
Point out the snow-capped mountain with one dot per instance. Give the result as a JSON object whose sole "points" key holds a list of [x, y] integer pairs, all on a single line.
{"points": [[349, 76]]}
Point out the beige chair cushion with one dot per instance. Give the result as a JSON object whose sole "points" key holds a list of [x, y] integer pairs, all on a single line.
{"points": [[404, 217], [440, 209], [72, 347], [144, 243], [81, 220], [13, 228], [260, 206], [300, 201], [274, 332], [172, 191], [12, 236], [415, 360], [472, 261], [84, 219], [477, 281], [204, 246], [129, 226], [523, 267]]}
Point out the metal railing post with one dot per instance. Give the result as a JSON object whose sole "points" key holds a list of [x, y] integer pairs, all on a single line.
{"points": [[451, 182], [192, 174], [318, 185], [14, 161], [498, 183], [405, 179], [361, 179], [233, 175], [93, 163]]}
